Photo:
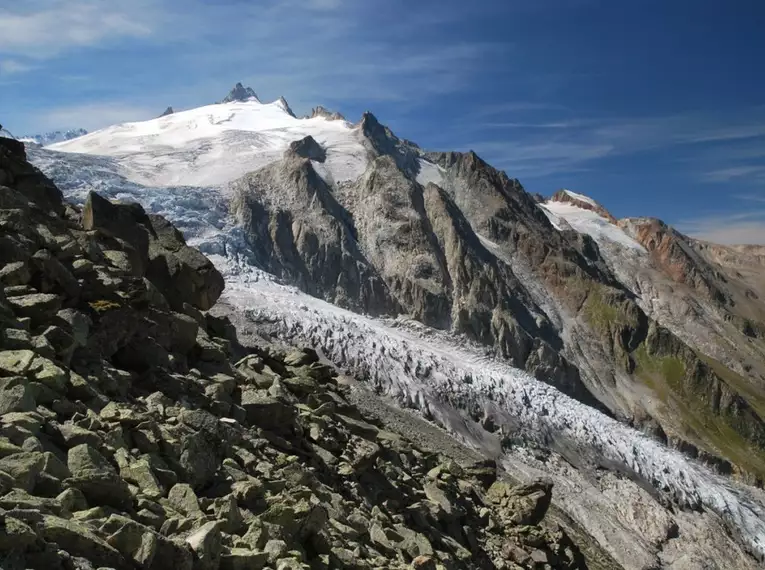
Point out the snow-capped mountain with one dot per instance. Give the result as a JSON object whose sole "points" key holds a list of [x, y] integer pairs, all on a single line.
{"points": [[218, 143], [53, 137], [613, 356]]}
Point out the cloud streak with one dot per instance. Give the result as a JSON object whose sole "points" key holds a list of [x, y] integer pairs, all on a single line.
{"points": [[735, 173], [93, 116], [732, 229], [13, 66], [40, 29]]}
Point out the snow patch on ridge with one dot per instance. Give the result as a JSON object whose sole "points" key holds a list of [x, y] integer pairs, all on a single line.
{"points": [[430, 172], [582, 198], [588, 222]]}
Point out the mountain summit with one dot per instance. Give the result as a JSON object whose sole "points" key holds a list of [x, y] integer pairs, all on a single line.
{"points": [[241, 93]]}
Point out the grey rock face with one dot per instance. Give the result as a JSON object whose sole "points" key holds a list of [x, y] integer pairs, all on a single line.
{"points": [[297, 229], [284, 105], [309, 148]]}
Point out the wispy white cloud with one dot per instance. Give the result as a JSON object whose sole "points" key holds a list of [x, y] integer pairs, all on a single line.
{"points": [[37, 29], [751, 198], [332, 52], [512, 107], [520, 125], [731, 229], [542, 158], [719, 147], [93, 116], [13, 66], [325, 51], [734, 173]]}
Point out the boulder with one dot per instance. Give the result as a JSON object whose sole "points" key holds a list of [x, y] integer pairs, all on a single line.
{"points": [[39, 307], [184, 500], [205, 543], [126, 221], [181, 273], [15, 362], [15, 535], [16, 395], [96, 478], [522, 504], [79, 540], [266, 411], [15, 273], [243, 559]]}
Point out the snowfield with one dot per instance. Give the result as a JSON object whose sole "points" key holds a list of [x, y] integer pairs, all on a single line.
{"points": [[216, 144], [178, 166], [587, 222]]}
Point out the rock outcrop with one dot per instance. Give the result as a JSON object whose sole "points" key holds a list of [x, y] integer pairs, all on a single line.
{"points": [[240, 93], [568, 197], [320, 111], [308, 148], [136, 432]]}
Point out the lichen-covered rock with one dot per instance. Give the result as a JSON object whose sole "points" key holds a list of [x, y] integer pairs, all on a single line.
{"points": [[206, 546], [96, 477], [78, 540], [39, 307]]}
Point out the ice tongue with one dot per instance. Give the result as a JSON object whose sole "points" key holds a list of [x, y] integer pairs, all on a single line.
{"points": [[241, 93]]}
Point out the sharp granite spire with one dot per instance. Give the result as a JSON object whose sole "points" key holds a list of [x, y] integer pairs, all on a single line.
{"points": [[241, 93]]}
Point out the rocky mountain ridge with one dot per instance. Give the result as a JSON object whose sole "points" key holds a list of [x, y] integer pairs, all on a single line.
{"points": [[422, 250], [137, 432], [628, 316]]}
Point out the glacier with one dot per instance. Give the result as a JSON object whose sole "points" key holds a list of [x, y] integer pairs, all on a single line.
{"points": [[179, 166], [434, 372]]}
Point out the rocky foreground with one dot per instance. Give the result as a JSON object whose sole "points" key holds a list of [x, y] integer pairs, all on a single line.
{"points": [[136, 432]]}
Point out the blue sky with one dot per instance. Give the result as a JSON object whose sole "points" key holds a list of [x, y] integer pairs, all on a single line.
{"points": [[653, 107]]}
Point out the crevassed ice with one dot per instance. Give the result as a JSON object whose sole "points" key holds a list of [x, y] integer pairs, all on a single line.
{"points": [[421, 367], [424, 369]]}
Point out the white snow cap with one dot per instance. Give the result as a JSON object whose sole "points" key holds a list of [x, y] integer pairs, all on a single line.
{"points": [[581, 198], [218, 143]]}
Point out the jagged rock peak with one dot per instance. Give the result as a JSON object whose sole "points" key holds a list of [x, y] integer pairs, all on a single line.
{"points": [[582, 201], [369, 122], [325, 113], [168, 111], [282, 102], [308, 148], [241, 93]]}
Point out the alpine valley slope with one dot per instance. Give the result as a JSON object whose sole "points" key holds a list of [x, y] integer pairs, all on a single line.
{"points": [[630, 318]]}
